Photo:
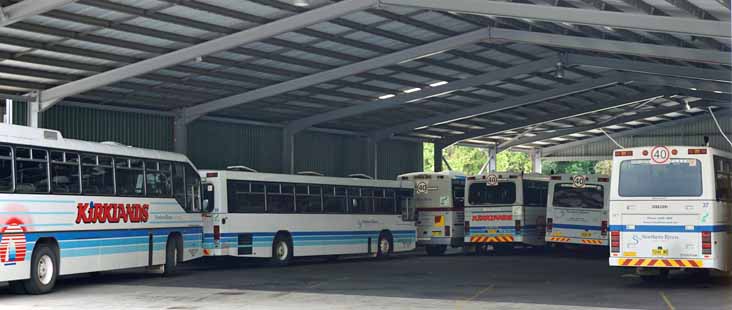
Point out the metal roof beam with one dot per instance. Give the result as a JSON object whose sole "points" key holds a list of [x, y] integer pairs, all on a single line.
{"points": [[48, 97], [28, 8], [400, 100], [705, 85], [704, 28], [512, 102], [650, 68], [630, 132], [577, 111], [340, 72], [613, 46]]}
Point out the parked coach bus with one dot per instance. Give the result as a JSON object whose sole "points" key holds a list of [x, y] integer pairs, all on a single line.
{"points": [[504, 209], [69, 206], [439, 200], [577, 210], [282, 216], [670, 207]]}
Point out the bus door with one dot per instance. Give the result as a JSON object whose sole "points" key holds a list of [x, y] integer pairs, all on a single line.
{"points": [[208, 203], [458, 206]]}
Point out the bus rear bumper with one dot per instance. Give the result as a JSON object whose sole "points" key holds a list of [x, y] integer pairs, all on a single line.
{"points": [[660, 262]]}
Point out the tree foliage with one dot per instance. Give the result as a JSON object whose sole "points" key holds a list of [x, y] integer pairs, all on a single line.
{"points": [[470, 160]]}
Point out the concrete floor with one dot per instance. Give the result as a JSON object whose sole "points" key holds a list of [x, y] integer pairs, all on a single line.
{"points": [[523, 280]]}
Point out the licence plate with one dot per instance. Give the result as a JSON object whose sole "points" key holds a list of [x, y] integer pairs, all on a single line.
{"points": [[492, 231], [659, 252], [586, 234], [436, 233]]}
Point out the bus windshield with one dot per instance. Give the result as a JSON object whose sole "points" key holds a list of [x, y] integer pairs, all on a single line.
{"points": [[587, 197], [502, 193], [678, 178]]}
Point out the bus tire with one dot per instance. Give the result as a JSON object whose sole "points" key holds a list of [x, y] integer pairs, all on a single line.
{"points": [[171, 256], [385, 246], [435, 250], [44, 270], [281, 250]]}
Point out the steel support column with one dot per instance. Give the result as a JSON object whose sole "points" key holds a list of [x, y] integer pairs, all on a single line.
{"points": [[8, 119], [492, 158], [536, 160], [288, 152], [437, 157], [374, 152]]}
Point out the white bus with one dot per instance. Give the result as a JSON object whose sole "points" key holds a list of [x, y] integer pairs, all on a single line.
{"points": [[670, 207], [281, 216], [577, 210], [70, 206], [439, 201], [504, 209]]}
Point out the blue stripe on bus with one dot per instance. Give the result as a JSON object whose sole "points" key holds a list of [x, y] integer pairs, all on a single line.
{"points": [[670, 228], [573, 226]]}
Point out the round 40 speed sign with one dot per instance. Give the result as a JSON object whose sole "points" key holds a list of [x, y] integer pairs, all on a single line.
{"points": [[660, 155]]}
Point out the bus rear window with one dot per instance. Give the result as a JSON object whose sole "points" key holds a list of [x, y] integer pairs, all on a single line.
{"points": [[481, 193], [678, 178], [587, 197]]}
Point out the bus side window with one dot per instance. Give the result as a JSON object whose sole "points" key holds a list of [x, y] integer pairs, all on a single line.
{"points": [[31, 174], [6, 169], [367, 194], [723, 176], [356, 204], [193, 190], [243, 199], [390, 202], [97, 177], [65, 178], [280, 198], [130, 178], [179, 187], [308, 199], [334, 199], [379, 201]]}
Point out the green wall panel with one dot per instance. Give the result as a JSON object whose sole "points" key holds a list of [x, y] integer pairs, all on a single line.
{"points": [[135, 129], [216, 145]]}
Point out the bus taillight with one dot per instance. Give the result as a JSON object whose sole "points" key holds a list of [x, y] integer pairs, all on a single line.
{"points": [[216, 233], [706, 243], [615, 241], [447, 231], [697, 151], [603, 228], [518, 227], [623, 153], [549, 225]]}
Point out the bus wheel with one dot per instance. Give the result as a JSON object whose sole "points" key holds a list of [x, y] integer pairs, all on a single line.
{"points": [[44, 270], [384, 245], [435, 250], [281, 251], [171, 256]]}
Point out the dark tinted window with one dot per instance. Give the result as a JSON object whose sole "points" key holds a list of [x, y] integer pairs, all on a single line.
{"points": [[6, 169], [535, 193], [588, 197], [241, 199], [179, 187], [193, 189], [334, 199], [97, 177], [723, 177], [308, 199], [130, 180], [158, 179], [678, 178], [65, 178], [458, 193], [280, 198], [403, 198], [356, 203], [31, 174], [502, 193]]}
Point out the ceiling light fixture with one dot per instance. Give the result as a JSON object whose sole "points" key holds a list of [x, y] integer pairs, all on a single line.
{"points": [[387, 96], [301, 3], [411, 90], [440, 83]]}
